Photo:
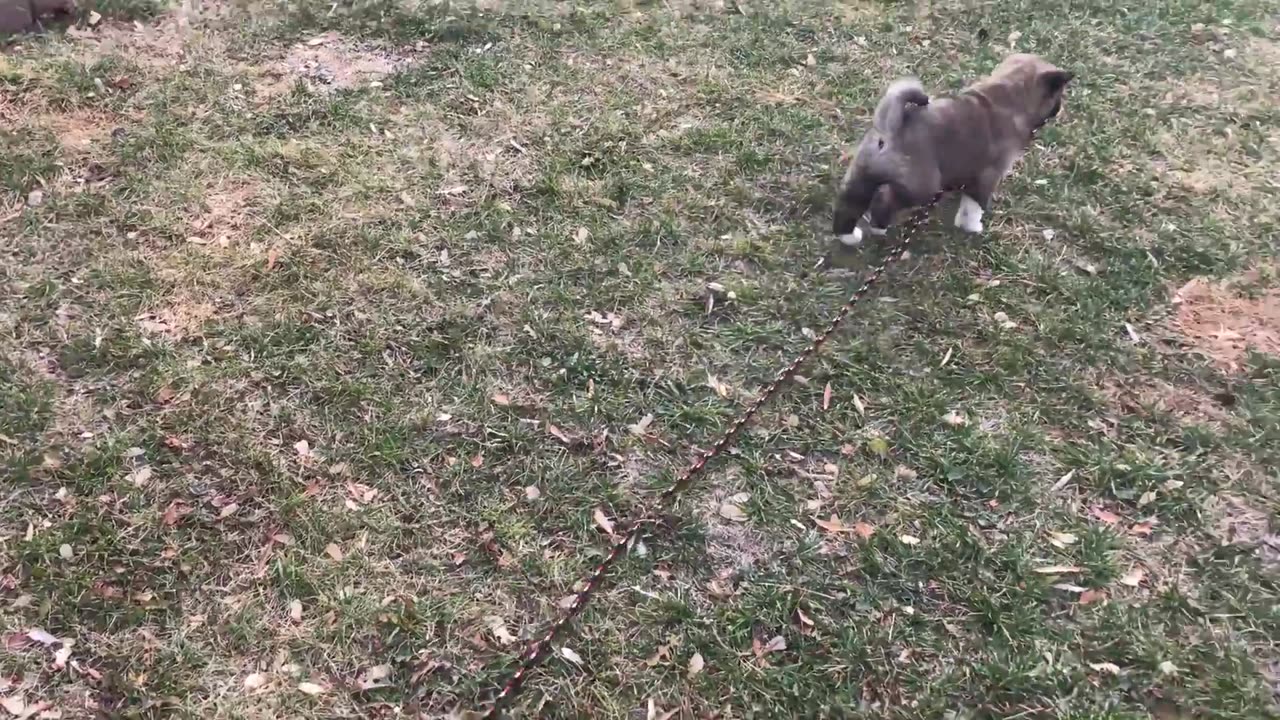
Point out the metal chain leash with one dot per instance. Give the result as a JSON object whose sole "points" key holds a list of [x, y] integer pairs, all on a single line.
{"points": [[632, 530]]}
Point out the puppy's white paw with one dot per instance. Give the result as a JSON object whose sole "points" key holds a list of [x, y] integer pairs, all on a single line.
{"points": [[969, 216], [852, 239]]}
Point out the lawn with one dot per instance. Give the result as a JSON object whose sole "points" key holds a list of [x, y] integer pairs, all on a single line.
{"points": [[334, 342]]}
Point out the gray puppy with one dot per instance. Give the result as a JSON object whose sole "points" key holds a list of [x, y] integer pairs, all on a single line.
{"points": [[917, 148]]}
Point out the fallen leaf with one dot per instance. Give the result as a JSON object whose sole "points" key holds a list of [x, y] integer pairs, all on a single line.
{"points": [[581, 234], [722, 389], [954, 419], [15, 705], [140, 476], [1134, 577], [641, 427], [834, 525], [1147, 498], [857, 404], [1057, 569], [696, 663], [571, 656], [273, 256], [1105, 516], [1068, 587], [902, 472], [310, 688], [878, 446], [558, 434], [909, 539], [826, 397], [42, 637], [532, 492], [303, 447], [1168, 668], [1106, 667], [729, 511], [501, 399], [66, 552], [253, 681], [777, 644], [228, 510], [61, 656], [334, 552], [478, 460], [373, 676], [602, 520], [1091, 596], [498, 627], [805, 620], [295, 610], [864, 530], [174, 513], [1141, 529], [1061, 540]]}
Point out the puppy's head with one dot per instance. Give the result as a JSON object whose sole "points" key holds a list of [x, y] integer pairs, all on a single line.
{"points": [[1040, 84]]}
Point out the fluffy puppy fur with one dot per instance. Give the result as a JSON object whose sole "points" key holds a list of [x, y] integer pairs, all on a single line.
{"points": [[917, 147]]}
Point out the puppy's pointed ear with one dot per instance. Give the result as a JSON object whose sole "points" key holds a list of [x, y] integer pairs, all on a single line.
{"points": [[1055, 80]]}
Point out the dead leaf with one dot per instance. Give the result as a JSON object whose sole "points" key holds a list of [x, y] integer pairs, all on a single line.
{"points": [[174, 513], [643, 426], [273, 255], [696, 663], [295, 610], [826, 397], [722, 389], [498, 627], [1091, 596], [558, 434], [532, 492], [373, 676], [1147, 498], [581, 234], [1068, 587], [478, 460], [602, 520], [310, 688], [955, 419], [571, 656], [15, 705], [777, 644], [303, 447], [864, 530], [66, 552], [909, 539], [334, 551], [805, 620], [1058, 569], [501, 399], [42, 637], [1105, 516], [1106, 667], [729, 511], [833, 525], [1061, 540], [1141, 529], [253, 681], [140, 476], [228, 510], [1134, 577], [61, 656], [857, 404]]}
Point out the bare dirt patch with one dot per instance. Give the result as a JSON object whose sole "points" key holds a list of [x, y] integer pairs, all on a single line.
{"points": [[1222, 323], [1145, 396], [327, 63]]}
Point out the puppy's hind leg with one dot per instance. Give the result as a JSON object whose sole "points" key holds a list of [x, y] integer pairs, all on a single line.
{"points": [[976, 201]]}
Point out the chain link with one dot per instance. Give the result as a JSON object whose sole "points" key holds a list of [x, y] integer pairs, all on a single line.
{"points": [[633, 529]]}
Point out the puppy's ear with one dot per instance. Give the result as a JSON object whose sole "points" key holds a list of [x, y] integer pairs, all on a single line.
{"points": [[1055, 80]]}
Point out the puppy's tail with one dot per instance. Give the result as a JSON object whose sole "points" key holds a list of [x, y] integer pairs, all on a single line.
{"points": [[892, 108]]}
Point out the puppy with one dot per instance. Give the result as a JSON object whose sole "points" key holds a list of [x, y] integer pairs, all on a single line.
{"points": [[917, 148]]}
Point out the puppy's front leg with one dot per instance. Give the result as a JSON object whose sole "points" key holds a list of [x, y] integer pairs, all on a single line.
{"points": [[969, 216]]}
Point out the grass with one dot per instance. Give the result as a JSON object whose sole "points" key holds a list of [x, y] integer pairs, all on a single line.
{"points": [[286, 326]]}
